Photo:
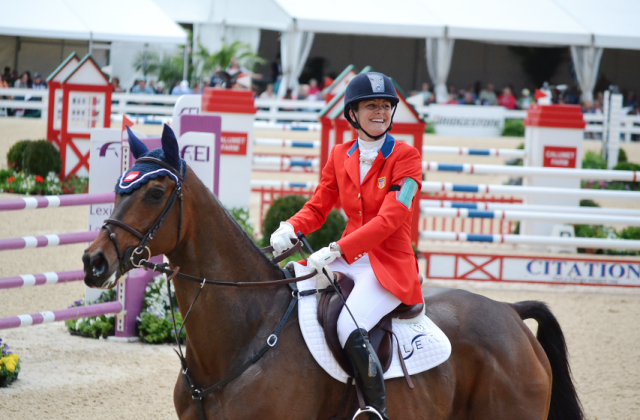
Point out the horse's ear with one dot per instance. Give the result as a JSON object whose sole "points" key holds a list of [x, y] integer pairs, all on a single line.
{"points": [[170, 147], [138, 148]]}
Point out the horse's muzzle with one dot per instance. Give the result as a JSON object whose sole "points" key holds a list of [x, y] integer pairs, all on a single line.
{"points": [[98, 273]]}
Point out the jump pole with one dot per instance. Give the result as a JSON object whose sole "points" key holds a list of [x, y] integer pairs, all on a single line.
{"points": [[27, 280], [60, 315], [50, 201], [47, 240]]}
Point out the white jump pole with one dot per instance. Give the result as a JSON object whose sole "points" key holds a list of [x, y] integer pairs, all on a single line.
{"points": [[527, 207], [591, 174], [533, 240], [516, 190], [515, 215], [465, 151]]}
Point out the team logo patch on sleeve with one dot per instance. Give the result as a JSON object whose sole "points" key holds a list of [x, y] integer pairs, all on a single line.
{"points": [[408, 189], [382, 182], [131, 176]]}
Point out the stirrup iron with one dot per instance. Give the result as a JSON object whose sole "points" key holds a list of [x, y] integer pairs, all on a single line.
{"points": [[367, 409]]}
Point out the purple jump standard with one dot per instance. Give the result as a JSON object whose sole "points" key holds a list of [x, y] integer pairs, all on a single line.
{"points": [[49, 201], [60, 315], [27, 280], [47, 240]]}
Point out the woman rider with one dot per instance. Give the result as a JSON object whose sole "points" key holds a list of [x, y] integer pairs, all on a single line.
{"points": [[376, 179]]}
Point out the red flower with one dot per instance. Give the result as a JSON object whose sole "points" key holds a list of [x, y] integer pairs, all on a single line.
{"points": [[11, 179], [39, 179]]}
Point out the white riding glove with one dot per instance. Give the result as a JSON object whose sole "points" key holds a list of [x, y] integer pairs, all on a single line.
{"points": [[320, 259], [281, 238]]}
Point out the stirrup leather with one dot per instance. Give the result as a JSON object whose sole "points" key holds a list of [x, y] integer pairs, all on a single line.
{"points": [[367, 409]]}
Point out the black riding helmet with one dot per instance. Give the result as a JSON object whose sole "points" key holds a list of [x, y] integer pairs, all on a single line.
{"points": [[369, 86]]}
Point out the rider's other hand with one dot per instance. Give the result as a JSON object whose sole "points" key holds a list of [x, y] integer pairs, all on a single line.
{"points": [[281, 238], [320, 259]]}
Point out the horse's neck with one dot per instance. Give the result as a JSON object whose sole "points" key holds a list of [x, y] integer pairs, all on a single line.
{"points": [[225, 321]]}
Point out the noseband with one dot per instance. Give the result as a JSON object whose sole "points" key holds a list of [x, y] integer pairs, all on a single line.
{"points": [[142, 248]]}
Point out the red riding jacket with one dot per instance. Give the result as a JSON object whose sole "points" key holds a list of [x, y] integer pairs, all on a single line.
{"points": [[379, 223]]}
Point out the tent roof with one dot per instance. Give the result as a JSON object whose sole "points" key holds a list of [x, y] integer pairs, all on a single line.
{"points": [[405, 18], [610, 24], [116, 20], [540, 22], [613, 23]]}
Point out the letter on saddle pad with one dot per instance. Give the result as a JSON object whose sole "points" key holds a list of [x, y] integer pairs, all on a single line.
{"points": [[329, 309]]}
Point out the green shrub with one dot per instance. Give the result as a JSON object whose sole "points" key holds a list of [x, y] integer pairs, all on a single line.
{"points": [[16, 153], [631, 232], [430, 129], [155, 324], [285, 207], [622, 156], [588, 203], [41, 157], [593, 160], [513, 128], [94, 326]]}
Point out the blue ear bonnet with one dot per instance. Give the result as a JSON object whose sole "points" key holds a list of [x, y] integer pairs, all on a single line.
{"points": [[142, 172]]}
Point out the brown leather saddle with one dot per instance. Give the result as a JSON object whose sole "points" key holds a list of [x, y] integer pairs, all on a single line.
{"points": [[329, 309]]}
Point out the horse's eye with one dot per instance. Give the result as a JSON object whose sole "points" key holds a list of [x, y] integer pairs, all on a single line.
{"points": [[155, 194]]}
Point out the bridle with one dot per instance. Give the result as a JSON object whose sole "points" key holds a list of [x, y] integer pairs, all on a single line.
{"points": [[129, 257]]}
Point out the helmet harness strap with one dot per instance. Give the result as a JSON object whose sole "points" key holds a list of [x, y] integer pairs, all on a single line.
{"points": [[358, 126]]}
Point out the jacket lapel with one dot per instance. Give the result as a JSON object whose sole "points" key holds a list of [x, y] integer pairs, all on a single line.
{"points": [[352, 165]]}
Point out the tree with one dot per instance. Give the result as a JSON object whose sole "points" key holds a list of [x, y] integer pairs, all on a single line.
{"points": [[222, 58]]}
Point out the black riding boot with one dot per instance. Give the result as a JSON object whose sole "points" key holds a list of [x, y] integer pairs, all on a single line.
{"points": [[367, 371]]}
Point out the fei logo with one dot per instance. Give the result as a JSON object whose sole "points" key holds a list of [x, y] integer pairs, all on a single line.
{"points": [[131, 176], [195, 153], [113, 146]]}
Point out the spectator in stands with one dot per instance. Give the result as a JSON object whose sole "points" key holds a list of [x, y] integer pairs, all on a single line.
{"points": [[452, 93], [268, 92], [181, 89], [3, 82], [314, 89], [467, 99], [630, 100], [598, 103], [160, 87], [6, 76], [572, 95], [115, 84], [588, 108], [427, 96], [488, 96], [235, 69], [142, 87], [303, 92], [38, 83], [506, 98], [452, 100], [24, 81], [276, 72], [525, 100]]}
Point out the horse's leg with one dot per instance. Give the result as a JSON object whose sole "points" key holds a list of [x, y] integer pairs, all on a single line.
{"points": [[499, 370]]}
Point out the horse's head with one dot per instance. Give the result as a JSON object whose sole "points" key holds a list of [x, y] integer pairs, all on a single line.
{"points": [[146, 217]]}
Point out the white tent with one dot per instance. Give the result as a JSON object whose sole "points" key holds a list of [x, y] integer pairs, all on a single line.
{"points": [[116, 20]]}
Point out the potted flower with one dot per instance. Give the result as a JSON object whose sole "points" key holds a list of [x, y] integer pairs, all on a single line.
{"points": [[9, 365]]}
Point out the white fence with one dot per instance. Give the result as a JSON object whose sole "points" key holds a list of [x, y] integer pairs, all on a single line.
{"points": [[270, 111]]}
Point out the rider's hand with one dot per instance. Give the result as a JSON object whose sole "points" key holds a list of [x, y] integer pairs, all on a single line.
{"points": [[320, 259], [281, 238]]}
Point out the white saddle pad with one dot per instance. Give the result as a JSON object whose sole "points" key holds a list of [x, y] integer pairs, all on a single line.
{"points": [[422, 343]]}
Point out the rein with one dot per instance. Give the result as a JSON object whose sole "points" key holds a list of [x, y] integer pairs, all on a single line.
{"points": [[129, 257]]}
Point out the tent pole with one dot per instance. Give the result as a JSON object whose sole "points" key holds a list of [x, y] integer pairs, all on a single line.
{"points": [[90, 42], [185, 65]]}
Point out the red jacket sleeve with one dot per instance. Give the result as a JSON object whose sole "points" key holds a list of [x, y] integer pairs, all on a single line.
{"points": [[315, 211], [392, 213]]}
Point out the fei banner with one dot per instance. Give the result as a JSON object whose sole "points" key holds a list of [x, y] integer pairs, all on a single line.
{"points": [[531, 269]]}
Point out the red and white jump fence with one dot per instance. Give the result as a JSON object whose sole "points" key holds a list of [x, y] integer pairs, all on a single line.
{"points": [[50, 278]]}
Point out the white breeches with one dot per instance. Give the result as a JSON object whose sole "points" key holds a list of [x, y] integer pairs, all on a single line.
{"points": [[368, 301]]}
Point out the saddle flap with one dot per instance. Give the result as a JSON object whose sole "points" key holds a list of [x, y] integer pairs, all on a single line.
{"points": [[329, 309]]}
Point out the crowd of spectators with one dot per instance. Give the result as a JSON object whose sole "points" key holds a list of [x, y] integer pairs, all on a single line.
{"points": [[478, 95], [11, 79]]}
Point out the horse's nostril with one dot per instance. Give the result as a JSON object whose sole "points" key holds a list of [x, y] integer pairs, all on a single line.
{"points": [[98, 264]]}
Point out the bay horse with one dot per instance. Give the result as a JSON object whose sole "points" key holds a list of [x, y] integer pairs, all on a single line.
{"points": [[497, 369]]}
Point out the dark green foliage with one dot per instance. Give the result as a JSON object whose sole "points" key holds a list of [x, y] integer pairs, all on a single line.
{"points": [[593, 160], [285, 207], [588, 203], [513, 128], [4, 174], [631, 232], [590, 231], [430, 128], [622, 156], [16, 153], [41, 157]]}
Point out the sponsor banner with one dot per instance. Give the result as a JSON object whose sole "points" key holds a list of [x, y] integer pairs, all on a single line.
{"points": [[533, 269], [465, 120], [559, 157], [234, 143]]}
